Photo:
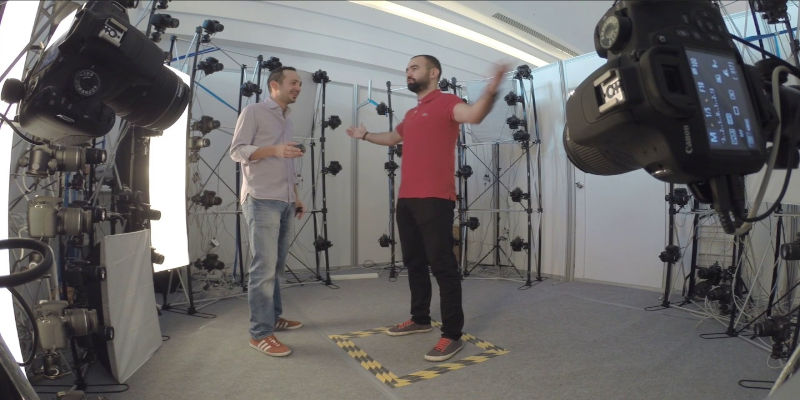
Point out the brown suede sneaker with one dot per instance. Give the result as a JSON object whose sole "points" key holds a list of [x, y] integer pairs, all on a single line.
{"points": [[285, 324], [271, 346]]}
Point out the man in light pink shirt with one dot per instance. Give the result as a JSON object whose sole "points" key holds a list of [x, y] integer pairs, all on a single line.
{"points": [[261, 143]]}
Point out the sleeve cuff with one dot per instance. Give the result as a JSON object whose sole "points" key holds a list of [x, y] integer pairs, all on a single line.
{"points": [[242, 153]]}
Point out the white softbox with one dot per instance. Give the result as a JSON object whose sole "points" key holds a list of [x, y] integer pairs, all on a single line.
{"points": [[129, 305]]}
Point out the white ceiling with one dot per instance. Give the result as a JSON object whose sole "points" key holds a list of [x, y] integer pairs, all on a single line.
{"points": [[570, 22], [359, 36]]}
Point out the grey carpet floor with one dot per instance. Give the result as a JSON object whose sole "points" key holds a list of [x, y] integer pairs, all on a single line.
{"points": [[565, 341]]}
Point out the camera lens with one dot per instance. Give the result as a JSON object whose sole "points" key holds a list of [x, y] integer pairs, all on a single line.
{"points": [[154, 106], [594, 161], [95, 156], [790, 251]]}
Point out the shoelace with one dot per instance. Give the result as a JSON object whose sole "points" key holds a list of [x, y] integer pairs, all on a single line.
{"points": [[443, 343], [273, 342]]}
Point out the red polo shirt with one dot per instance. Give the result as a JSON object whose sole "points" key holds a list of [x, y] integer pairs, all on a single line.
{"points": [[429, 139]]}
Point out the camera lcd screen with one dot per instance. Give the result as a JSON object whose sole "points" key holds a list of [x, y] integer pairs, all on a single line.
{"points": [[724, 101]]}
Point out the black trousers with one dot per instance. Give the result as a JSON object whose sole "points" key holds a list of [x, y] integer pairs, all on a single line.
{"points": [[426, 238]]}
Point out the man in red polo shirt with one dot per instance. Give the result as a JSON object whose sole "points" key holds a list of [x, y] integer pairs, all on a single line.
{"points": [[429, 133]]}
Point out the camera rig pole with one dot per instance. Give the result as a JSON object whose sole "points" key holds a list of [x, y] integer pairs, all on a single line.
{"points": [[773, 287], [461, 148], [260, 59], [239, 260], [322, 243], [736, 285], [391, 166], [695, 243], [527, 148], [198, 31], [314, 211], [671, 253]]}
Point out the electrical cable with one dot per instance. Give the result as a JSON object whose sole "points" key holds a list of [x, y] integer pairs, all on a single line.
{"points": [[776, 101], [32, 319], [17, 131]]}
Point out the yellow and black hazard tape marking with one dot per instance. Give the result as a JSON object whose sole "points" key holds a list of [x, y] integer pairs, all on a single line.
{"points": [[391, 379]]}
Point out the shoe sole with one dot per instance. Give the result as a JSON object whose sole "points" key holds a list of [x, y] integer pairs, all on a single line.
{"points": [[444, 357], [403, 333], [284, 354]]}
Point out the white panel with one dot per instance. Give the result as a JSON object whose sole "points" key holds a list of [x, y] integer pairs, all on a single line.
{"points": [[550, 111], [128, 303], [15, 31], [620, 220], [167, 190], [620, 229]]}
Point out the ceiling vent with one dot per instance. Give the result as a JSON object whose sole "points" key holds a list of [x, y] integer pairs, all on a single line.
{"points": [[536, 35]]}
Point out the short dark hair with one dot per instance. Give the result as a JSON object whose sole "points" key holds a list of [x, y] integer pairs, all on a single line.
{"points": [[432, 62], [277, 75]]}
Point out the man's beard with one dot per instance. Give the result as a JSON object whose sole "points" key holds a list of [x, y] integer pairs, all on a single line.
{"points": [[417, 86]]}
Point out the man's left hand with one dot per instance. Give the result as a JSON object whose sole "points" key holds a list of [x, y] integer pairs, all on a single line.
{"points": [[299, 209], [497, 77]]}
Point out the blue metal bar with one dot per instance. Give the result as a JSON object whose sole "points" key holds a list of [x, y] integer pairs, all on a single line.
{"points": [[216, 97], [204, 51], [767, 35]]}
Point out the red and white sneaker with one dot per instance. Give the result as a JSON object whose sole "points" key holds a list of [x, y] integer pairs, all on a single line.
{"points": [[285, 324], [271, 346]]}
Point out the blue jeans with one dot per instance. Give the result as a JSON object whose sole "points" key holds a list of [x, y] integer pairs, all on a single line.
{"points": [[269, 222]]}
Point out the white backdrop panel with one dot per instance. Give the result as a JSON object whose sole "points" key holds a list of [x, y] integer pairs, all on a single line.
{"points": [[620, 220]]}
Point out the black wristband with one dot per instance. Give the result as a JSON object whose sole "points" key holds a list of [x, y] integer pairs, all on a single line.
{"points": [[365, 135]]}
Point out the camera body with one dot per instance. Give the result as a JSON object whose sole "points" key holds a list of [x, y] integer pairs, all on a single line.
{"points": [[103, 66], [44, 160], [674, 97], [791, 251], [207, 199], [47, 218]]}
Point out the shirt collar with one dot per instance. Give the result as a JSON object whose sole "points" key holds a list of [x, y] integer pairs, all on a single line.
{"points": [[430, 97], [275, 106]]}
